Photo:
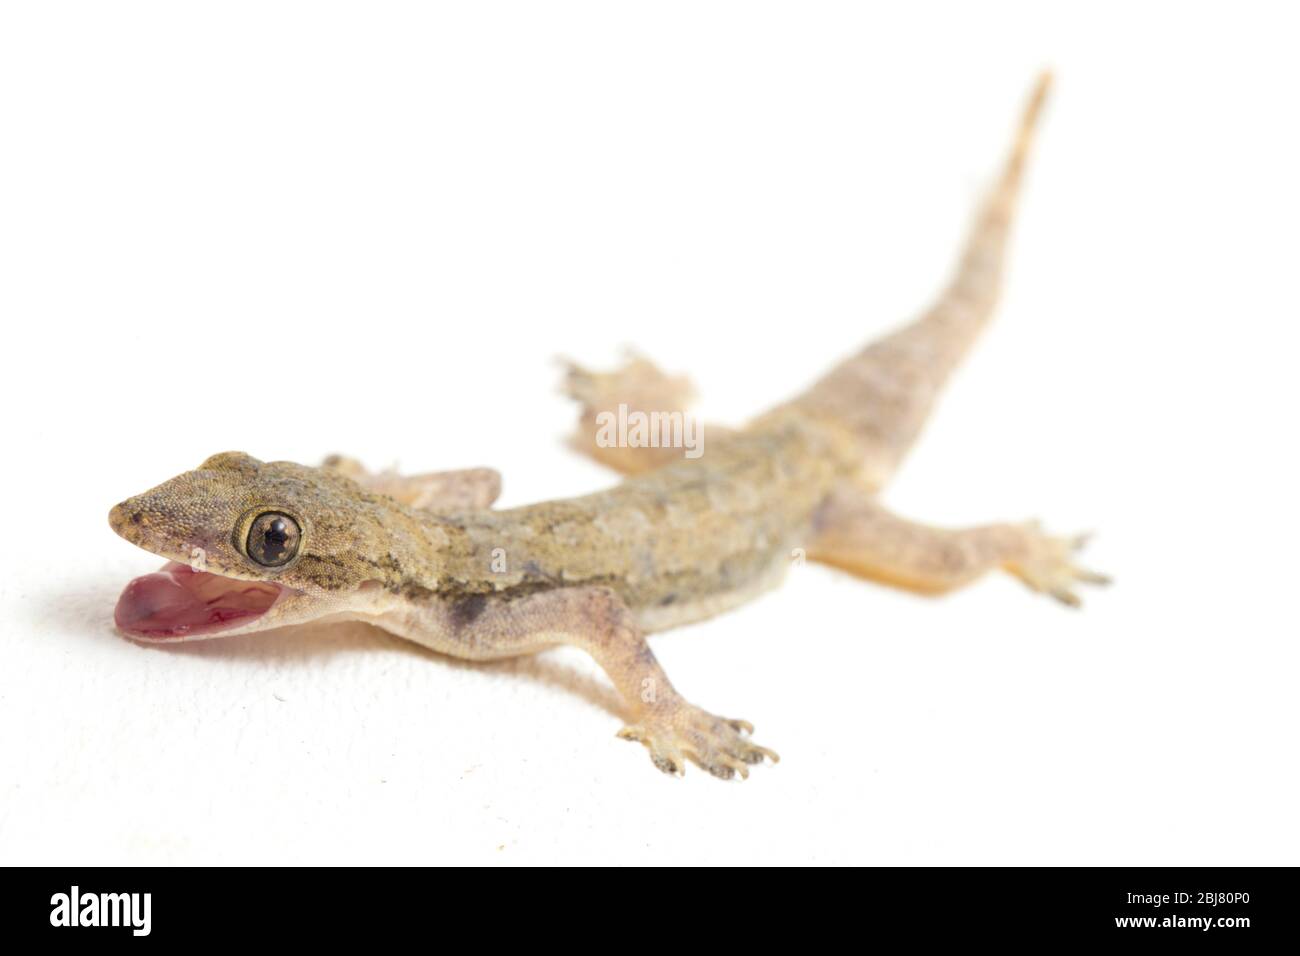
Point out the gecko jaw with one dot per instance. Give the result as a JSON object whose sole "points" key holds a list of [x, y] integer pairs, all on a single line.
{"points": [[179, 603]]}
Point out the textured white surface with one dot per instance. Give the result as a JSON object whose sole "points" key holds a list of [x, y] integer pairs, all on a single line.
{"points": [[294, 230]]}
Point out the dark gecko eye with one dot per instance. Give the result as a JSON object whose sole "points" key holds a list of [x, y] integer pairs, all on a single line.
{"points": [[273, 539]]}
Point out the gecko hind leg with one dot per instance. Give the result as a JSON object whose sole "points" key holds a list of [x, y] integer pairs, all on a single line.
{"points": [[855, 533], [638, 385]]}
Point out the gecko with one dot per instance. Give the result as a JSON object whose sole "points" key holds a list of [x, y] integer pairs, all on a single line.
{"points": [[253, 545]]}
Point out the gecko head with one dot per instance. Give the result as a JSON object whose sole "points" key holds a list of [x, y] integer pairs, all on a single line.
{"points": [[252, 545]]}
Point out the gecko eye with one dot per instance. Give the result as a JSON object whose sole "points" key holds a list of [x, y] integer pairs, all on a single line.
{"points": [[273, 539]]}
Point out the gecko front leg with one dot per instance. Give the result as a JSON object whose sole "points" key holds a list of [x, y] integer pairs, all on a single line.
{"points": [[436, 491], [595, 619]]}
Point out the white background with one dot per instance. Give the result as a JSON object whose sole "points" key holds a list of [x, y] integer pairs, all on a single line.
{"points": [[295, 229]]}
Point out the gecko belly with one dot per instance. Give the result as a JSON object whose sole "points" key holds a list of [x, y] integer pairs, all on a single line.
{"points": [[664, 616], [178, 602]]}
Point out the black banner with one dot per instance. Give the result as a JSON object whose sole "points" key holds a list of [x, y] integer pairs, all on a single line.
{"points": [[136, 906]]}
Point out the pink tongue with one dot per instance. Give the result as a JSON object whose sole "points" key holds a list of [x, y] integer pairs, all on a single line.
{"points": [[181, 602]]}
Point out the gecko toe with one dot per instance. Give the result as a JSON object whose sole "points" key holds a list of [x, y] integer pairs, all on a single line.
{"points": [[666, 758], [753, 753], [667, 765], [725, 767], [1066, 597]]}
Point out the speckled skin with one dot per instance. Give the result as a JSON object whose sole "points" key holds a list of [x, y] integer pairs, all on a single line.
{"points": [[425, 557]]}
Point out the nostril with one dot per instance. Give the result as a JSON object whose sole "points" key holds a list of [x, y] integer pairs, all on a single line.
{"points": [[121, 516]]}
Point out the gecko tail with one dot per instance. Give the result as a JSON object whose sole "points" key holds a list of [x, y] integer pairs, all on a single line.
{"points": [[882, 395]]}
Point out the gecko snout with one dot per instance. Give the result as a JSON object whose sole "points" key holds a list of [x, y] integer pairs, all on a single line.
{"points": [[120, 517]]}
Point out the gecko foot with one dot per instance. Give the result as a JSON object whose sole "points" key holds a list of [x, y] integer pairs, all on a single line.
{"points": [[1048, 566], [638, 382], [719, 745]]}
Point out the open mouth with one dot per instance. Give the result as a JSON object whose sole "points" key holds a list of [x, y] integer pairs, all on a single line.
{"points": [[179, 602]]}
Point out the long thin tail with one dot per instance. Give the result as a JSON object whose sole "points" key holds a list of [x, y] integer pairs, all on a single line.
{"points": [[883, 395]]}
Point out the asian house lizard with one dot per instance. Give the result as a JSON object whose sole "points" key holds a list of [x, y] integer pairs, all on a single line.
{"points": [[255, 545]]}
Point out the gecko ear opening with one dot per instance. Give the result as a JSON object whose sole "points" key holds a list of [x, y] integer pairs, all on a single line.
{"points": [[179, 602]]}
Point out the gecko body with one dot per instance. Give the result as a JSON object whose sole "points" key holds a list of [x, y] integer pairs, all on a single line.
{"points": [[255, 545]]}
